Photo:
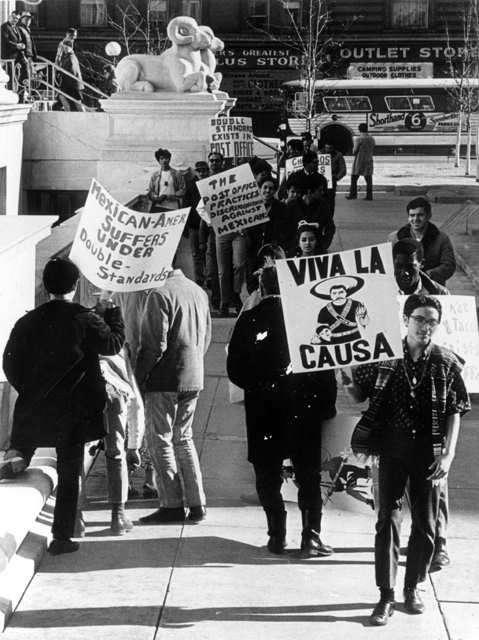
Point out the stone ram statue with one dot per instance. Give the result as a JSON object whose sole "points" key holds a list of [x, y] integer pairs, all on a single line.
{"points": [[187, 66]]}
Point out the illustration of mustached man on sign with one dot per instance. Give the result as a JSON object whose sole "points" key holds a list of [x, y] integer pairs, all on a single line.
{"points": [[342, 318], [340, 309]]}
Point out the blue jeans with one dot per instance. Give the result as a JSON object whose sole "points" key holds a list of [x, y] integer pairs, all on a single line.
{"points": [[169, 435]]}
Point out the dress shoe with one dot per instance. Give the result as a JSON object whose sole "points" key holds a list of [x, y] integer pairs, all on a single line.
{"points": [[164, 516], [412, 601], [381, 613], [313, 547], [58, 547], [440, 558], [9, 469], [196, 514]]}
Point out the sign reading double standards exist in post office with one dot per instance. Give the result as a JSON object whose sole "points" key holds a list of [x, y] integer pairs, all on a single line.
{"points": [[458, 332], [232, 200], [119, 249], [233, 137], [340, 309]]}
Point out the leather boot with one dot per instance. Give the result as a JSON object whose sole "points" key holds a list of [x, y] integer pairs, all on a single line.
{"points": [[276, 530], [311, 544], [120, 524]]}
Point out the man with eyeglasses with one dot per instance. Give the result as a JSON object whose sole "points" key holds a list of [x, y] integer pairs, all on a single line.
{"points": [[408, 259], [412, 423]]}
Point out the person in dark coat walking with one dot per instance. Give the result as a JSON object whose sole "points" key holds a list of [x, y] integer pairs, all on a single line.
{"points": [[363, 164], [284, 414], [51, 359]]}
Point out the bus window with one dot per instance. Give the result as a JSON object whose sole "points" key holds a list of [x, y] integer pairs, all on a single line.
{"points": [[422, 103], [397, 103], [359, 103], [409, 103], [336, 103], [349, 103]]}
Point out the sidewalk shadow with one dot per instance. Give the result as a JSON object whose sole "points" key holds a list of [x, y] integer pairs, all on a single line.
{"points": [[97, 554], [182, 617]]}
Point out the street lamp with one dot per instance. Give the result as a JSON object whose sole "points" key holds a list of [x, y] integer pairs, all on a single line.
{"points": [[113, 50]]}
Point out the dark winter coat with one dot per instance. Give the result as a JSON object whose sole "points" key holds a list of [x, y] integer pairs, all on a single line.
{"points": [[51, 359], [282, 409], [439, 258]]}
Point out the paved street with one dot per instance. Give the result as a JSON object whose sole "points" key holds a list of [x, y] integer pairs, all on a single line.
{"points": [[216, 580]]}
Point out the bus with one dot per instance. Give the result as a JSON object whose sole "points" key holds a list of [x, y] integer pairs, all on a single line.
{"points": [[409, 114]]}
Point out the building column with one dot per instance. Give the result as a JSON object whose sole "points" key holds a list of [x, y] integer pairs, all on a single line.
{"points": [[6, 8]]}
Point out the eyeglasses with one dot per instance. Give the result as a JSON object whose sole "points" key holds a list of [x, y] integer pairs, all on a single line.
{"points": [[423, 322]]}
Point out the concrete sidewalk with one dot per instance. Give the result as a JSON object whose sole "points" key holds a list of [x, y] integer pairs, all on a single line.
{"points": [[217, 580]]}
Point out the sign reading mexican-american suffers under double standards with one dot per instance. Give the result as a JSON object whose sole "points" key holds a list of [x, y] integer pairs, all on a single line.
{"points": [[119, 249]]}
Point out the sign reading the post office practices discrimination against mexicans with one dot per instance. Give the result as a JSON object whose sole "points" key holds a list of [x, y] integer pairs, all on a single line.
{"points": [[119, 249], [340, 309], [232, 200], [233, 137], [458, 332]]}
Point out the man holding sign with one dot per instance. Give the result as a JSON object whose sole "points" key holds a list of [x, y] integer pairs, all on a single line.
{"points": [[413, 419]]}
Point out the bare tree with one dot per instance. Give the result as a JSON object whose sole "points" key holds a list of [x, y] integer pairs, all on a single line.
{"points": [[139, 31], [310, 37], [464, 68]]}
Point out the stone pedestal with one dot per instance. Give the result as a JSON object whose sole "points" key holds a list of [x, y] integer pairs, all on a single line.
{"points": [[139, 123]]}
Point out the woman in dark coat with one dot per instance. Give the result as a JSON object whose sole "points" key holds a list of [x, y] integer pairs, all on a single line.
{"points": [[51, 359], [284, 415]]}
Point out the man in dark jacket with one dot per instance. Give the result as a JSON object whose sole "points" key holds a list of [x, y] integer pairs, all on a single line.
{"points": [[13, 46], [439, 258], [51, 359], [284, 414]]}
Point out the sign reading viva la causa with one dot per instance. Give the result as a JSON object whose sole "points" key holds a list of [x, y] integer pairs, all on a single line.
{"points": [[340, 309]]}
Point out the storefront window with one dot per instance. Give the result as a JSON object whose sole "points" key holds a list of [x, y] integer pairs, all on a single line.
{"points": [[192, 8], [158, 11], [411, 14], [92, 13], [293, 11], [258, 13]]}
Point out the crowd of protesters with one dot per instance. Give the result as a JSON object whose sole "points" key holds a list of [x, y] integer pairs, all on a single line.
{"points": [[147, 349]]}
